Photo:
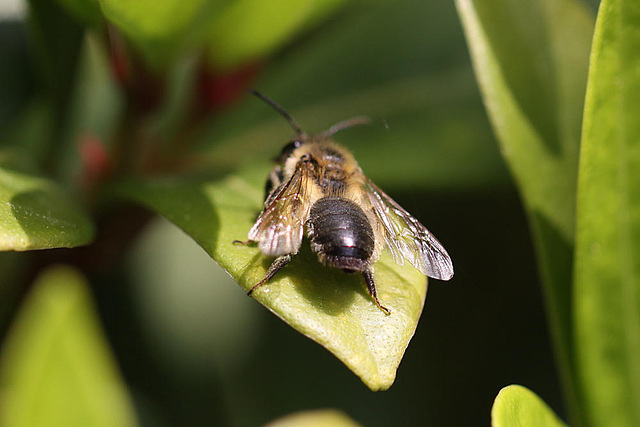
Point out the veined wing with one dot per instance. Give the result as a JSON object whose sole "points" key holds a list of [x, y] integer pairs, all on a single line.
{"points": [[280, 227], [406, 238]]}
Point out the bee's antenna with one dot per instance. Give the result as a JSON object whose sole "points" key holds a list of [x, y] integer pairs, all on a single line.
{"points": [[279, 109], [345, 124]]}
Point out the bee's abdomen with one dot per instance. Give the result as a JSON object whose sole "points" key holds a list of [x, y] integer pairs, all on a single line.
{"points": [[340, 234]]}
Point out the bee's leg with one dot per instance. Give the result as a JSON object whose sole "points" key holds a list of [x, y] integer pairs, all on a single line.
{"points": [[371, 285], [276, 265], [242, 242]]}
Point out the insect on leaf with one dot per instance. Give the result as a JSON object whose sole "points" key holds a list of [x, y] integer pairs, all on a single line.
{"points": [[330, 307]]}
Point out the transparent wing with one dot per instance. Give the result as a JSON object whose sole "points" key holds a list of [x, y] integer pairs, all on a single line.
{"points": [[280, 227], [406, 238]]}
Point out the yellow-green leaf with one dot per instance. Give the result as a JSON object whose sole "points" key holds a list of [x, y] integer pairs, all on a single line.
{"points": [[517, 406], [56, 367], [158, 28], [317, 418], [232, 31], [607, 270], [252, 29], [35, 213]]}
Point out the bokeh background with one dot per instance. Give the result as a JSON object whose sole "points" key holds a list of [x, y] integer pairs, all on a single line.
{"points": [[191, 346]]}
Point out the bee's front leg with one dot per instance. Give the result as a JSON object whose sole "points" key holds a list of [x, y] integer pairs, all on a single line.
{"points": [[276, 265]]}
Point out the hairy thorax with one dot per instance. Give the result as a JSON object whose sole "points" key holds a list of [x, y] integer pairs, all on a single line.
{"points": [[334, 170]]}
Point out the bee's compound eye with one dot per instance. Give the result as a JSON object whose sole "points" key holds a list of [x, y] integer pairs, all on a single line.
{"points": [[288, 149]]}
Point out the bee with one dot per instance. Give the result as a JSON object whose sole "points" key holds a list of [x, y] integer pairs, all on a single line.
{"points": [[317, 189]]}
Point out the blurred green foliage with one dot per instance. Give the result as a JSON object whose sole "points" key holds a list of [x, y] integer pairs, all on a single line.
{"points": [[104, 103], [57, 369], [580, 207], [536, 108], [607, 268]]}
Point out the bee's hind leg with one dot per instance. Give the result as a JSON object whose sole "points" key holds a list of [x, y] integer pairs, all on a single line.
{"points": [[276, 265], [371, 286]]}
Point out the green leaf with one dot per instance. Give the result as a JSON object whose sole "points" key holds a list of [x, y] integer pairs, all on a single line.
{"points": [[607, 270], [37, 214], [56, 368], [233, 31], [328, 306], [531, 61], [517, 406], [149, 19], [252, 29], [317, 418], [158, 29]]}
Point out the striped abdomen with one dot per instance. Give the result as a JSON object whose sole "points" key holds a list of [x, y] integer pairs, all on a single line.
{"points": [[341, 234]]}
